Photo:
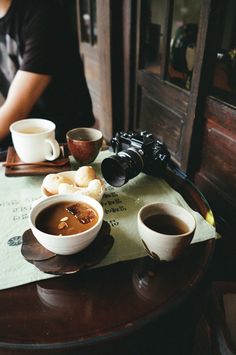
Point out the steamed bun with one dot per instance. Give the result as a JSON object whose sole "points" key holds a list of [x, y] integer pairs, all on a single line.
{"points": [[65, 188], [94, 189], [84, 175], [51, 182]]}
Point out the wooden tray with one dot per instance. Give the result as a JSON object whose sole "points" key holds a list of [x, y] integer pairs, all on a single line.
{"points": [[28, 170]]}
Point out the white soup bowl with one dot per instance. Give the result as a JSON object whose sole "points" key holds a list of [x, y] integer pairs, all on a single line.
{"points": [[71, 244]]}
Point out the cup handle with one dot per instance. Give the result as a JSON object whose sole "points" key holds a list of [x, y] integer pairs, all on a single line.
{"points": [[55, 149]]}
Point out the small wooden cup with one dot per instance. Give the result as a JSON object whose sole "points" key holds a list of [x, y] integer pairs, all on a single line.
{"points": [[84, 144]]}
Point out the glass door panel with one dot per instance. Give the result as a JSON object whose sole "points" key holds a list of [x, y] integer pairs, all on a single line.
{"points": [[88, 21], [224, 81], [153, 41], [184, 32]]}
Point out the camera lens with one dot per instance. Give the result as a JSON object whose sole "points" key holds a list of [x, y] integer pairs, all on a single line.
{"points": [[118, 169]]}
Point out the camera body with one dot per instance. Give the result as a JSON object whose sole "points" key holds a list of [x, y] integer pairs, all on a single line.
{"points": [[135, 152]]}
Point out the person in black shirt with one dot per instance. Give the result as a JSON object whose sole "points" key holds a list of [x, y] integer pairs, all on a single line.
{"points": [[41, 71]]}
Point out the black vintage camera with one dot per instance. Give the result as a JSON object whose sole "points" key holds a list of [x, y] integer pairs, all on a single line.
{"points": [[135, 152]]}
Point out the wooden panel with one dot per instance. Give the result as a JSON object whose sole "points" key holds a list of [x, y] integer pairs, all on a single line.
{"points": [[219, 146], [92, 73], [167, 93], [222, 114], [161, 121], [89, 51], [216, 176], [104, 42], [97, 65], [219, 158], [91, 68], [222, 206], [128, 40]]}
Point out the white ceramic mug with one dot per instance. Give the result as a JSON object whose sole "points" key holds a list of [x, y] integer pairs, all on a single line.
{"points": [[165, 230], [34, 140]]}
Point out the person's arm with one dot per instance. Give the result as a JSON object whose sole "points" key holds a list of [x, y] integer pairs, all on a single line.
{"points": [[25, 90]]}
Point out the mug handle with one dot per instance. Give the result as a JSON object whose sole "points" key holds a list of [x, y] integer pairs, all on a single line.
{"points": [[55, 149]]}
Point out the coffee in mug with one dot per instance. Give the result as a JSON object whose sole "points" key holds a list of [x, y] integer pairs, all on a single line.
{"points": [[34, 140]]}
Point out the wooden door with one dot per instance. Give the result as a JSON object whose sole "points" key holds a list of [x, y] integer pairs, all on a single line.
{"points": [[170, 47]]}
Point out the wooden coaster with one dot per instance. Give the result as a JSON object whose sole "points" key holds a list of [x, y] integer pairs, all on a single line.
{"points": [[29, 170], [51, 263]]}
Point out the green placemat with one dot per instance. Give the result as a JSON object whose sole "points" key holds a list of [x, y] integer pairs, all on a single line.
{"points": [[121, 206]]}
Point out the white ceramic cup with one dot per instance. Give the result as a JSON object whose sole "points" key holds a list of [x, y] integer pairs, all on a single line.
{"points": [[165, 238], [34, 140]]}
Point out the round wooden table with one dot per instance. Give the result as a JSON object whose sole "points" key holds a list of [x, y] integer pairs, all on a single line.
{"points": [[134, 307]]}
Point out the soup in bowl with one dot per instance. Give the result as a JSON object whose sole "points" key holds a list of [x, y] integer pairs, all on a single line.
{"points": [[66, 224]]}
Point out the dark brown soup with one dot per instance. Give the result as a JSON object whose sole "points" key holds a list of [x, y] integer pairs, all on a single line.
{"points": [[166, 224], [66, 218]]}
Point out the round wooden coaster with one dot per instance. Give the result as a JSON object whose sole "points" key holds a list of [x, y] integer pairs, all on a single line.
{"points": [[51, 263]]}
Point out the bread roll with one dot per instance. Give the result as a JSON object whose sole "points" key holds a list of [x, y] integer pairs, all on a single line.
{"points": [[65, 188], [84, 175], [51, 182]]}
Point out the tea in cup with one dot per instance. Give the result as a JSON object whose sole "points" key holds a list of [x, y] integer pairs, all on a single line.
{"points": [[34, 140], [84, 144], [165, 230]]}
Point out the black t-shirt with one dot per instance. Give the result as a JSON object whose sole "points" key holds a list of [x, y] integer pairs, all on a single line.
{"points": [[35, 37]]}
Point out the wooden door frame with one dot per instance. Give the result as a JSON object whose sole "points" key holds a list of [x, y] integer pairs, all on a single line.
{"points": [[102, 53]]}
